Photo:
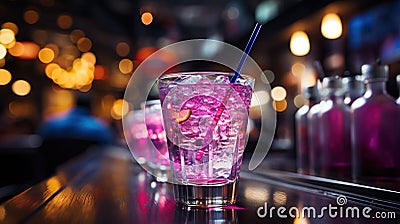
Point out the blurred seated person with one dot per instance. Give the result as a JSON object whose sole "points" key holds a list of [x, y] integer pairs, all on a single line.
{"points": [[67, 136]]}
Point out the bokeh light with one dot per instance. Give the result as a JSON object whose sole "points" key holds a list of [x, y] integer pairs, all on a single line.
{"points": [[125, 66], [55, 49], [298, 69], [147, 18], [11, 26], [307, 80], [259, 98], [122, 49], [64, 21], [50, 68], [21, 87], [31, 16], [299, 100], [76, 35], [89, 57], [7, 36], [84, 44], [46, 55], [5, 77], [3, 51], [99, 72], [278, 93], [17, 50], [299, 43], [279, 105], [119, 109], [331, 26], [25, 50]]}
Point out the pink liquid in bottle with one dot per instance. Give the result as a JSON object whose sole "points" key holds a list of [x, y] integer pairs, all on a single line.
{"points": [[375, 130], [314, 140], [303, 162], [398, 86], [334, 117]]}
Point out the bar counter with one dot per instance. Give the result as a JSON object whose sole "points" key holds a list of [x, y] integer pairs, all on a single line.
{"points": [[105, 185]]}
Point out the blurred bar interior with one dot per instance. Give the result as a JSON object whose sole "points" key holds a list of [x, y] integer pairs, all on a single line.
{"points": [[52, 49]]}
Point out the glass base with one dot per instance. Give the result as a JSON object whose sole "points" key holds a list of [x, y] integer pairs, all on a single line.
{"points": [[206, 195]]}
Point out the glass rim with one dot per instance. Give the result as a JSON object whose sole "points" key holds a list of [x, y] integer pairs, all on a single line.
{"points": [[166, 77]]}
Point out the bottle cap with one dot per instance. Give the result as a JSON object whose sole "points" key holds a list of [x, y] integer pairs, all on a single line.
{"points": [[332, 86], [332, 82], [352, 82], [311, 92], [375, 71]]}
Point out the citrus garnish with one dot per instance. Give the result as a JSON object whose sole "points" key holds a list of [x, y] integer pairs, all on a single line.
{"points": [[183, 115]]}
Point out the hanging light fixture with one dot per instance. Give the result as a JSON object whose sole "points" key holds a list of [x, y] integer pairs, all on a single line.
{"points": [[331, 26], [299, 43]]}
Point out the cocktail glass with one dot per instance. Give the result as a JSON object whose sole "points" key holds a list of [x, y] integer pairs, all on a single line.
{"points": [[147, 140], [159, 162], [205, 118]]}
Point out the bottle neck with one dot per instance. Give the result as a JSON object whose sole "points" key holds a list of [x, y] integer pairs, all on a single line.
{"points": [[375, 87], [311, 102], [334, 98]]}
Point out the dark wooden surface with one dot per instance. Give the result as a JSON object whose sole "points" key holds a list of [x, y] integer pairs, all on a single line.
{"points": [[107, 186]]}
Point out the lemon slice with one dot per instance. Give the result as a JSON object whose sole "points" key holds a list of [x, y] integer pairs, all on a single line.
{"points": [[183, 115]]}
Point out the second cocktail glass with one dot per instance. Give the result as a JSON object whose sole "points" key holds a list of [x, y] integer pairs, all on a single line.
{"points": [[205, 118]]}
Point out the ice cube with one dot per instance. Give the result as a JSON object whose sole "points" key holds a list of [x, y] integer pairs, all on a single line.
{"points": [[222, 79], [203, 80], [190, 79]]}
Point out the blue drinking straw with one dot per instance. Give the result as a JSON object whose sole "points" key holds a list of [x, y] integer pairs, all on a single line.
{"points": [[246, 52], [220, 110]]}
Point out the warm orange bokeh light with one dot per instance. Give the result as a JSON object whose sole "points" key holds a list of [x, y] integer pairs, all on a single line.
{"points": [[99, 72], [119, 109], [50, 68], [46, 55], [122, 49], [331, 26], [279, 106], [76, 35], [143, 53], [89, 57], [147, 18], [31, 16], [125, 66], [84, 44], [25, 50], [7, 36], [299, 43], [11, 26], [21, 87], [64, 21], [5, 77], [3, 51]]}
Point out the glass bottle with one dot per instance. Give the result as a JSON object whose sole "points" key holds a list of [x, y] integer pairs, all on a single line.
{"points": [[334, 117], [375, 130], [398, 87], [313, 139], [353, 88], [312, 97]]}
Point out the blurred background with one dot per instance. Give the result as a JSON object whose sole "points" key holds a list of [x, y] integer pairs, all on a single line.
{"points": [[51, 49]]}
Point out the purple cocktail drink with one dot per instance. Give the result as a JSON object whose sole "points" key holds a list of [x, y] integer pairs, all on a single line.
{"points": [[205, 119], [147, 141], [155, 130]]}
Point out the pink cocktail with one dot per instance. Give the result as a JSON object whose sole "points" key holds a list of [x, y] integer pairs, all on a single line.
{"points": [[205, 118], [147, 140]]}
